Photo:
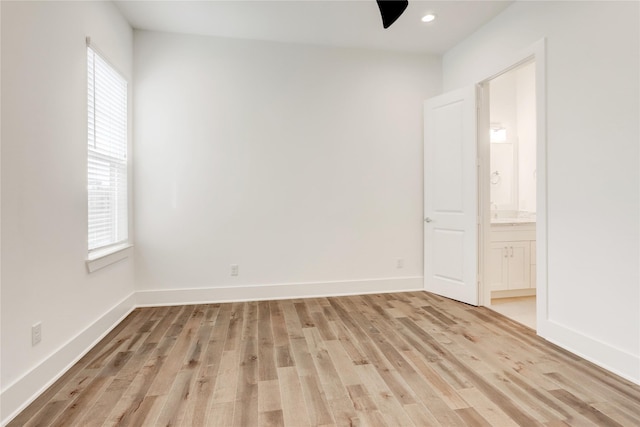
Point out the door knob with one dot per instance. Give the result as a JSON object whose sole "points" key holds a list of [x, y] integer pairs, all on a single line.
{"points": [[427, 219]]}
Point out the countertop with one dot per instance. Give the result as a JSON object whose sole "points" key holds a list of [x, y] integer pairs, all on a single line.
{"points": [[513, 220]]}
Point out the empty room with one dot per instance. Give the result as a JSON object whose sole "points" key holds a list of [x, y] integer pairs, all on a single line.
{"points": [[320, 213]]}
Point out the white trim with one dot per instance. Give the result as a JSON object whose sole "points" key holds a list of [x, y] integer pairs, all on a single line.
{"points": [[596, 351], [514, 293], [484, 192], [542, 212], [103, 257], [613, 359], [277, 291], [23, 391], [106, 57]]}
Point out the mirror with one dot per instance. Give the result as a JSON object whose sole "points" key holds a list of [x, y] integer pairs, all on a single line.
{"points": [[513, 141]]}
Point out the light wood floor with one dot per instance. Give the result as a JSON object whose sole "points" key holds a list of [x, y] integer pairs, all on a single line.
{"points": [[396, 359], [520, 309]]}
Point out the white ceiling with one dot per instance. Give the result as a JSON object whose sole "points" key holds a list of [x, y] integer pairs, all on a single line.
{"points": [[354, 23]]}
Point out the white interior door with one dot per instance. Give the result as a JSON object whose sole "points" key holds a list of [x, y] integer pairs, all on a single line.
{"points": [[451, 196]]}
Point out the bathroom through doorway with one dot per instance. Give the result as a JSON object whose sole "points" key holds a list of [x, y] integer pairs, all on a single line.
{"points": [[508, 254]]}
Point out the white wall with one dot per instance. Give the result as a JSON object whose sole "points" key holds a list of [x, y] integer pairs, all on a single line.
{"points": [[301, 164], [592, 160], [44, 237]]}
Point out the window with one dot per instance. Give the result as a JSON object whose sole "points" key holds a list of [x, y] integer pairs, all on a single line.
{"points": [[107, 153]]}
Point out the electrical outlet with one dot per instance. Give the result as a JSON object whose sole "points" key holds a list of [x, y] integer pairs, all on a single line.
{"points": [[234, 269], [400, 263], [36, 333]]}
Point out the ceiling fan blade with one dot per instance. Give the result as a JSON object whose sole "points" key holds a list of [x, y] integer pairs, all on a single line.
{"points": [[390, 10]]}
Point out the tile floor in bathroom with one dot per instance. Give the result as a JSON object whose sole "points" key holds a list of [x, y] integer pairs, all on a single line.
{"points": [[521, 309]]}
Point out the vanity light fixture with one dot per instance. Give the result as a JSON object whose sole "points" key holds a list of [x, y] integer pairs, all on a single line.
{"points": [[498, 134], [428, 17]]}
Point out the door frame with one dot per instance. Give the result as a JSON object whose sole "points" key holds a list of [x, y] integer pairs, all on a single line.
{"points": [[536, 52]]}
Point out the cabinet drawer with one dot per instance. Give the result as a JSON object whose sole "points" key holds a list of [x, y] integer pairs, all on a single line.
{"points": [[519, 275], [512, 235], [513, 232], [498, 267]]}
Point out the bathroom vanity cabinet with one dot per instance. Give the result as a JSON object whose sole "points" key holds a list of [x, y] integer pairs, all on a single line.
{"points": [[511, 270]]}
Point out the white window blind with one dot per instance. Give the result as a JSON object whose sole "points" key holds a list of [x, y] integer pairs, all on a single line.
{"points": [[107, 153]]}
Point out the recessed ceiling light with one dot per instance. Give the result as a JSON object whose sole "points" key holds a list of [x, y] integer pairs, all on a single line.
{"points": [[428, 17]]}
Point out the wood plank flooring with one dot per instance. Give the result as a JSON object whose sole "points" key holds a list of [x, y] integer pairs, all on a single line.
{"points": [[403, 359]]}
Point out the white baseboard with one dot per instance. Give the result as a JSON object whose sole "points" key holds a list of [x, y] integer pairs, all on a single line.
{"points": [[513, 293], [279, 291], [620, 362], [17, 396]]}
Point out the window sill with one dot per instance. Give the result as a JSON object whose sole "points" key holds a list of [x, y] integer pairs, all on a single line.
{"points": [[102, 258]]}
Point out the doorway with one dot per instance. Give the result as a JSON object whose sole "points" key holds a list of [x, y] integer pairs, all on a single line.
{"points": [[457, 201], [508, 192]]}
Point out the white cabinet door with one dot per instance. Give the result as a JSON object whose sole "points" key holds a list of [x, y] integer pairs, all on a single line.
{"points": [[509, 266], [519, 265], [450, 196], [533, 276], [498, 267], [533, 264]]}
